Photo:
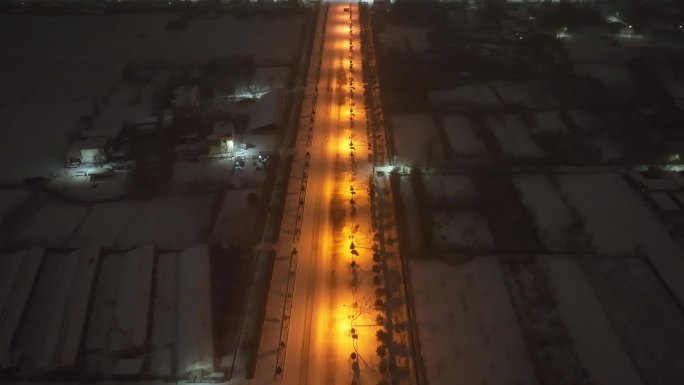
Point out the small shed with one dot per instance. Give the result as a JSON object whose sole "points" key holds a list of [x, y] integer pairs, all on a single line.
{"points": [[221, 142], [88, 150], [264, 114]]}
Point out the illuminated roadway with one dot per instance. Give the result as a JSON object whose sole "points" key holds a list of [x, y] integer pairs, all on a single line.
{"points": [[314, 344]]}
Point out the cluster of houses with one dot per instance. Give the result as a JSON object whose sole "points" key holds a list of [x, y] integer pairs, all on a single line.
{"points": [[111, 131]]}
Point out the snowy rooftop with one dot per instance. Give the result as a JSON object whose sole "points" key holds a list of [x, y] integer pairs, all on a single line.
{"points": [[89, 143], [265, 110]]}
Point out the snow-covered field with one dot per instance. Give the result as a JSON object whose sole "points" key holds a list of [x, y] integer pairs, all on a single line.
{"points": [[47, 59], [477, 94], [36, 137], [468, 330], [411, 215], [74, 183], [462, 139], [461, 229], [621, 224], [193, 332], [449, 189], [52, 224], [596, 342], [552, 217], [584, 120], [10, 200], [416, 141], [405, 38], [236, 222], [203, 175], [607, 148], [643, 312], [273, 78], [549, 121], [611, 75], [529, 94], [513, 137], [204, 39], [164, 222], [592, 45], [617, 218]]}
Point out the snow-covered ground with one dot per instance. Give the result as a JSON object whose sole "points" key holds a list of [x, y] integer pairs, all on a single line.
{"points": [[552, 217], [513, 137], [38, 137], [593, 45], [449, 189], [416, 141], [585, 120], [468, 330], [405, 38], [610, 75], [203, 175], [236, 223], [250, 176], [477, 94], [18, 273], [617, 218], [76, 184], [273, 78], [52, 331], [549, 121], [204, 39], [609, 151], [621, 224], [461, 229], [193, 332], [411, 216], [462, 139], [119, 319], [528, 94], [10, 201], [52, 224], [596, 342], [165, 222], [163, 317], [644, 314]]}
